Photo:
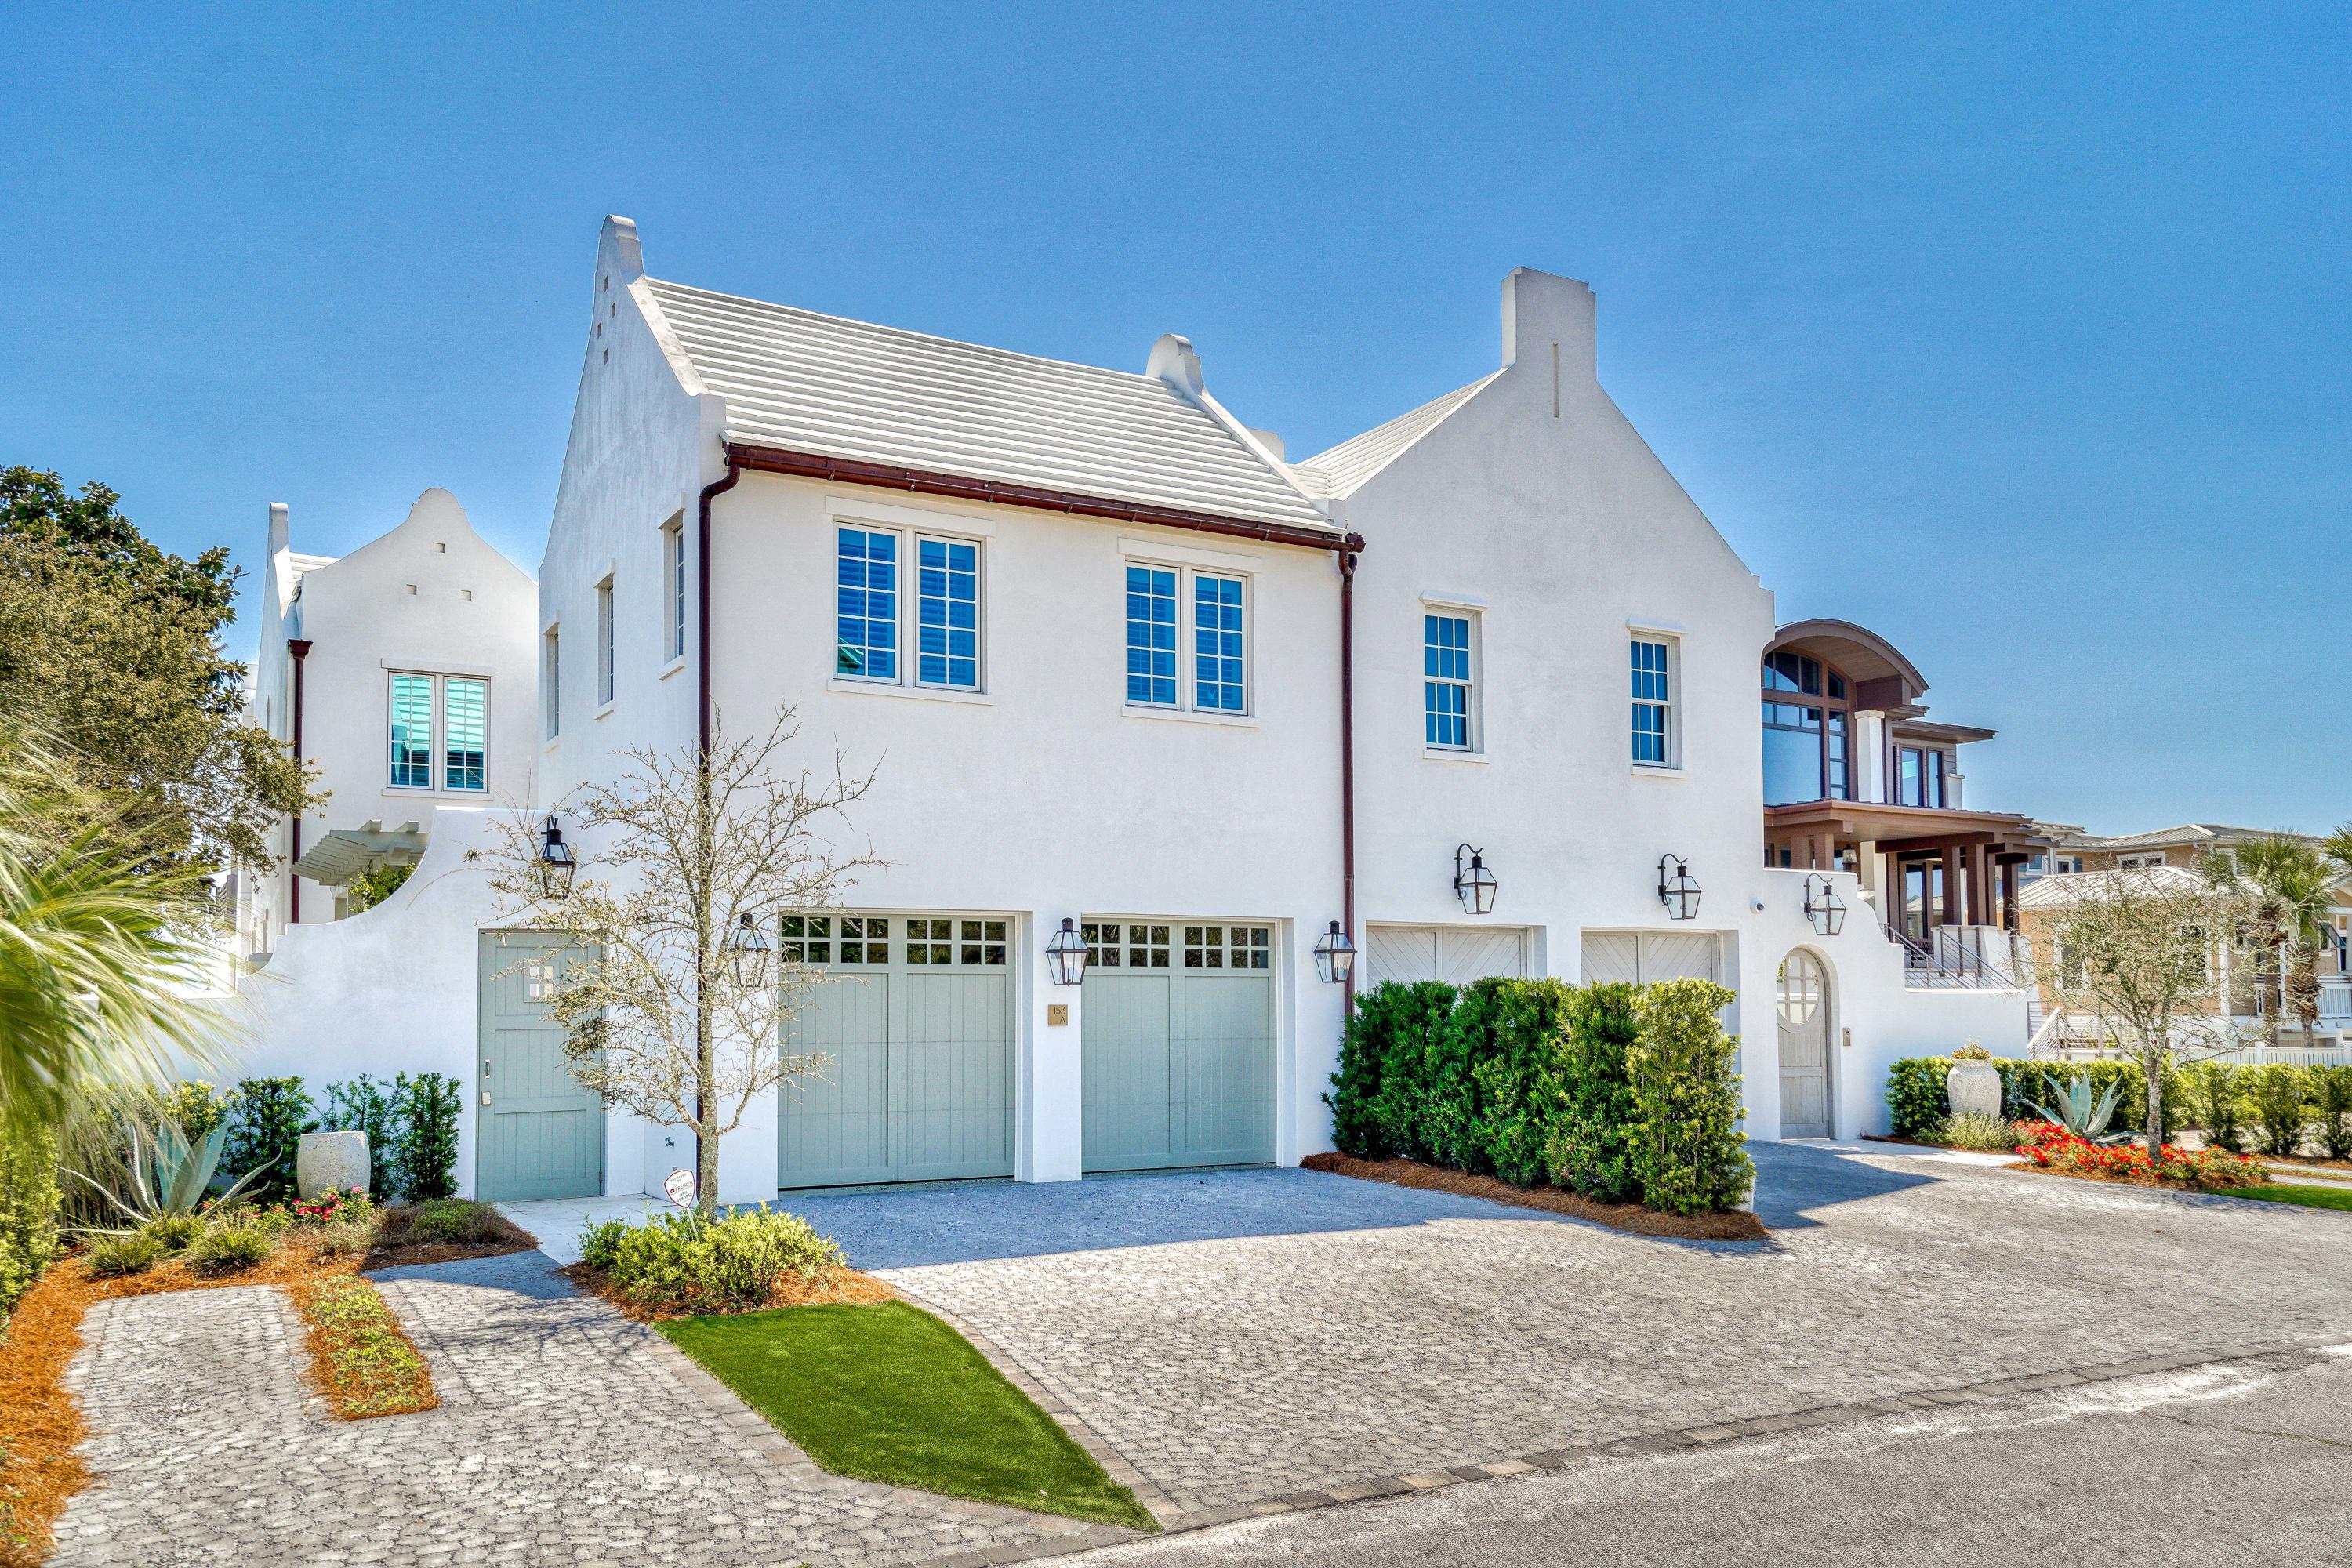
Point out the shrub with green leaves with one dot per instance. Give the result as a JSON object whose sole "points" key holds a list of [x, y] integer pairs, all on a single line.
{"points": [[29, 1203], [2217, 1102], [1589, 1144], [171, 1232], [195, 1107], [133, 1252], [364, 1105], [1690, 1155], [687, 1263], [1377, 1095], [2277, 1095], [265, 1131], [1917, 1095], [1514, 1031], [2331, 1105], [600, 1244], [424, 1163], [456, 1221]]}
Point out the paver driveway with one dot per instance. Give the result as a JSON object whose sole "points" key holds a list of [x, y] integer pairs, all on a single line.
{"points": [[1244, 1335]]}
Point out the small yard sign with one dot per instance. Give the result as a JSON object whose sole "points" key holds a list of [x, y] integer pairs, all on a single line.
{"points": [[679, 1187]]}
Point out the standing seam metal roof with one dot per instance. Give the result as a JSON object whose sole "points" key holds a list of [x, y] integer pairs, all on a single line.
{"points": [[808, 383]]}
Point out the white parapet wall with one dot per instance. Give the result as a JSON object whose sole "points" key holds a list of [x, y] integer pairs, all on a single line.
{"points": [[395, 989]]}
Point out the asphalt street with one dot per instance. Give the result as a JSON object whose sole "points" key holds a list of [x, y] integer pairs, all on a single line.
{"points": [[2236, 1463]]}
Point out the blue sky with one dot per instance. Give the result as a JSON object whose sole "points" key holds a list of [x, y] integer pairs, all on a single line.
{"points": [[2018, 335]]}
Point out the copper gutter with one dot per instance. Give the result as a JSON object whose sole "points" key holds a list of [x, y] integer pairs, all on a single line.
{"points": [[301, 648], [1347, 751]]}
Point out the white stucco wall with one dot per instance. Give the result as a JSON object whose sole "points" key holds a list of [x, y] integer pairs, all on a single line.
{"points": [[431, 597]]}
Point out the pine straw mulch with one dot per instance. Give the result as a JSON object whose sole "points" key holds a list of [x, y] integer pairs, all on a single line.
{"points": [[360, 1358], [496, 1236], [41, 1425], [1732, 1224], [833, 1287]]}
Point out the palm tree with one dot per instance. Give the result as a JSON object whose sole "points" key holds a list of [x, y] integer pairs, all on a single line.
{"points": [[2291, 887], [101, 970]]}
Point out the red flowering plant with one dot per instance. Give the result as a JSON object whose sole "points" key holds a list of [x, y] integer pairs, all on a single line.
{"points": [[2052, 1148], [333, 1207]]}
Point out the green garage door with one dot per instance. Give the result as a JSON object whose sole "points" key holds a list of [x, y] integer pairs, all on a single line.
{"points": [[1177, 1045], [540, 1133], [918, 1020]]}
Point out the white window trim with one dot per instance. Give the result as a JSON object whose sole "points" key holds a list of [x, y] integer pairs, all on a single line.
{"points": [[1673, 643], [887, 515], [437, 769], [948, 527], [1458, 609], [1189, 565], [551, 683], [608, 644], [676, 589]]}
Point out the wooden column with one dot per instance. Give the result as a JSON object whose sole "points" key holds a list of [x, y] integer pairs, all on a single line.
{"points": [[2009, 874], [1979, 859], [1948, 912]]}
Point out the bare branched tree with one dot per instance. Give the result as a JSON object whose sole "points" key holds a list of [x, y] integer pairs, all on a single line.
{"points": [[676, 854], [2138, 957]]}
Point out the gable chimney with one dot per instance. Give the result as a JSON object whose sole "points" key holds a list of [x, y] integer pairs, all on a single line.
{"points": [[1544, 314]]}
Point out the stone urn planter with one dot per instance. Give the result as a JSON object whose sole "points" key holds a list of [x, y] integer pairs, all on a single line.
{"points": [[330, 1162], [1973, 1087]]}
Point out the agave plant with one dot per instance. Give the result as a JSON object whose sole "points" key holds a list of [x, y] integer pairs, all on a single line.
{"points": [[2075, 1112], [168, 1175]]}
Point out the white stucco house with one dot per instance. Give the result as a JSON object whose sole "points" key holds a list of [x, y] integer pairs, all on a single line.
{"points": [[1115, 659]]}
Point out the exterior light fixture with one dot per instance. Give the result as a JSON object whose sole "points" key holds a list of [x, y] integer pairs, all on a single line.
{"points": [[556, 862], [1824, 907], [1065, 954], [1334, 956], [747, 951], [1473, 884], [1679, 893]]}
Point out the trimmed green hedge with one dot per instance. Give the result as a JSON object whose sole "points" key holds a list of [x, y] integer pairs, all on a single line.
{"points": [[1917, 1099], [28, 1204], [1619, 1093]]}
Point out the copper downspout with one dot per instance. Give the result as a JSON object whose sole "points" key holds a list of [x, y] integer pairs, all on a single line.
{"points": [[702, 601], [301, 648], [1348, 749]]}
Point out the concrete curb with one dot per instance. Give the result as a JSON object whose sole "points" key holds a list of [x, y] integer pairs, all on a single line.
{"points": [[2282, 1355]]}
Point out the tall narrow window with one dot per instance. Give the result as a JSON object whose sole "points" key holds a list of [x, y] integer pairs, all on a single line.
{"points": [[1653, 705], [865, 619], [1217, 653], [606, 664], [948, 610], [412, 731], [550, 681], [1151, 636], [1446, 685], [465, 733], [676, 542]]}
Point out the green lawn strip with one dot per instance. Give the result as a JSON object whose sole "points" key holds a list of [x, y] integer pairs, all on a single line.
{"points": [[2309, 1197], [888, 1393]]}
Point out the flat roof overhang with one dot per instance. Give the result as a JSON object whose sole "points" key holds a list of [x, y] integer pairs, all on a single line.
{"points": [[1908, 830]]}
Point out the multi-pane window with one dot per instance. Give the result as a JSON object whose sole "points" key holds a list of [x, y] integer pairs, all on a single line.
{"points": [[948, 610], [1113, 945], [970, 941], [1171, 608], [866, 605], [1919, 776], [1226, 947], [1446, 685], [829, 939], [674, 541], [550, 681], [607, 664], [1151, 636], [465, 733], [1653, 705], [1217, 667], [412, 731], [447, 716]]}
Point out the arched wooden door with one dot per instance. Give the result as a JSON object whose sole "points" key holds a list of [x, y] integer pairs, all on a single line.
{"points": [[1804, 1008]]}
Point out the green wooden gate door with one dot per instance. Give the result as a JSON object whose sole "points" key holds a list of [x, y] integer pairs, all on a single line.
{"points": [[917, 1017], [1176, 1046], [540, 1133]]}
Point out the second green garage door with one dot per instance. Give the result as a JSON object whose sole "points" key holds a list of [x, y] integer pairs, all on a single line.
{"points": [[917, 1017], [1177, 1045]]}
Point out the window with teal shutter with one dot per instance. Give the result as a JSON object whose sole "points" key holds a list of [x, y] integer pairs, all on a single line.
{"points": [[465, 733], [412, 731]]}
